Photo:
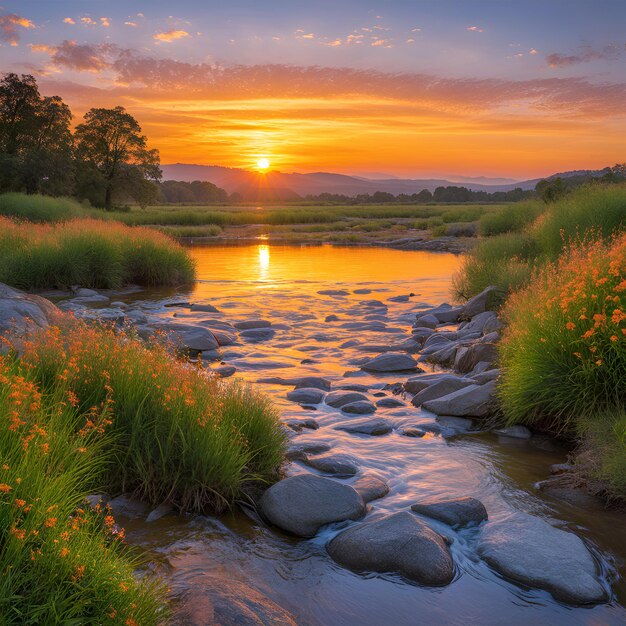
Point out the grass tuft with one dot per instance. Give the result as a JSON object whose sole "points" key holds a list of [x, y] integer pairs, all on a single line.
{"points": [[38, 208]]}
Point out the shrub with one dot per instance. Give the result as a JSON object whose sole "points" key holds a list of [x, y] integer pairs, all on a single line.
{"points": [[464, 214], [181, 435], [564, 351], [38, 208], [60, 562], [505, 260], [512, 218], [89, 253]]}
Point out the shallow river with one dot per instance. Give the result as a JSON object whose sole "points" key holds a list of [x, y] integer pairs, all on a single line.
{"points": [[281, 284]]}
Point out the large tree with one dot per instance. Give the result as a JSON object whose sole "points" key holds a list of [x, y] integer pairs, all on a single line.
{"points": [[113, 156]]}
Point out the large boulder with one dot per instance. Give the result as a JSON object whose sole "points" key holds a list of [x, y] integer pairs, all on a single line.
{"points": [[471, 401], [216, 601], [445, 313], [190, 337], [418, 383], [468, 357], [530, 551], [443, 387], [400, 543], [390, 362], [457, 512], [21, 313], [302, 504]]}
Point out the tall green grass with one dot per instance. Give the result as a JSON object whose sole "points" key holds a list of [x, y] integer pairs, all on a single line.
{"points": [[89, 253], [61, 562], [38, 208], [181, 435], [510, 219]]}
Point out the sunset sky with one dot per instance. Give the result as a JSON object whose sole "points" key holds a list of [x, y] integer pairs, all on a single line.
{"points": [[402, 87]]}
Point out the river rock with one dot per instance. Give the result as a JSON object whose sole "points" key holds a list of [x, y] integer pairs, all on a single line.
{"points": [[306, 395], [470, 401], [256, 335], [22, 312], [440, 388], [482, 302], [302, 504], [390, 362], [374, 427], [190, 337], [400, 543], [478, 323], [129, 507], [515, 432], [389, 403], [337, 399], [161, 511], [529, 550], [333, 292], [331, 318], [216, 601], [301, 449], [445, 313], [252, 324], [427, 321], [362, 407], [486, 376], [298, 425], [225, 371], [468, 357], [413, 432], [340, 465], [370, 487], [455, 513], [203, 307], [418, 383]]}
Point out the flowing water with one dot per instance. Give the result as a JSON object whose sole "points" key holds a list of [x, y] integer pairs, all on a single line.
{"points": [[281, 284]]}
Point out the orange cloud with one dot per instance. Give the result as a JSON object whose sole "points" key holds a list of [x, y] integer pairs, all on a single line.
{"points": [[9, 25], [171, 35], [68, 20], [105, 21], [475, 29]]}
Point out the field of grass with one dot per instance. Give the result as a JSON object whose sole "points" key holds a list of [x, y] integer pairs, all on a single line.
{"points": [[89, 253]]}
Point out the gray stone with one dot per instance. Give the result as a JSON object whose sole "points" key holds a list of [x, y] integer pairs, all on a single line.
{"points": [[203, 307], [390, 362], [482, 302], [21, 313], [336, 464], [399, 299], [255, 335], [362, 407], [471, 401], [413, 432], [225, 371], [389, 403], [337, 399], [516, 432], [375, 427], [457, 512], [440, 388], [370, 487], [530, 551], [400, 543], [306, 395], [161, 511], [128, 507], [486, 376], [300, 382], [445, 313], [252, 324], [415, 385], [302, 504], [427, 321], [333, 292], [450, 425], [301, 449], [478, 323], [298, 425], [331, 318], [190, 337], [217, 601]]}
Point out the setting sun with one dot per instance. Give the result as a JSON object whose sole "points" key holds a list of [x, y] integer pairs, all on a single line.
{"points": [[263, 164]]}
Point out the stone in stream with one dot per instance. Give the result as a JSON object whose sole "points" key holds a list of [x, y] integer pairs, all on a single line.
{"points": [[333, 292], [374, 427], [389, 403], [479, 323], [161, 511], [455, 513], [203, 307], [370, 487], [337, 399], [190, 337], [362, 291], [302, 504], [482, 302], [530, 551], [413, 432], [252, 324], [471, 401], [390, 362], [399, 299], [129, 507], [361, 407], [298, 451], [445, 313], [400, 543], [449, 425], [316, 382], [440, 388], [216, 601], [355, 387], [427, 321], [225, 371], [468, 357], [484, 377], [516, 431], [331, 318], [416, 384], [298, 425], [255, 335], [339, 465], [306, 395]]}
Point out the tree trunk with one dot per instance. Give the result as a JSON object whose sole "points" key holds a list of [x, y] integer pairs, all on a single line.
{"points": [[108, 198]]}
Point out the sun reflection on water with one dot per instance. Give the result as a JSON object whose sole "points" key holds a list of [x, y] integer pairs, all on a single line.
{"points": [[264, 261]]}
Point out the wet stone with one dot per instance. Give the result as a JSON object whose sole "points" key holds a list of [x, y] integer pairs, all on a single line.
{"points": [[335, 464], [457, 512], [374, 427]]}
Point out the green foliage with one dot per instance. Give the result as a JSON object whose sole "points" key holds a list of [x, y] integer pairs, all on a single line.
{"points": [[37, 208], [211, 230], [181, 435], [510, 219], [606, 450], [61, 562], [89, 253]]}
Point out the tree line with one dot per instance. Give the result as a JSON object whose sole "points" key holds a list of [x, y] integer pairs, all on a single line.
{"points": [[105, 160]]}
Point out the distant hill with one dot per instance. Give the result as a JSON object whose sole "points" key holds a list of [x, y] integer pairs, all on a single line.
{"points": [[291, 186]]}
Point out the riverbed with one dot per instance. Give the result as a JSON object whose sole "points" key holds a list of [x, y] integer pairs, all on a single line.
{"points": [[329, 308]]}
